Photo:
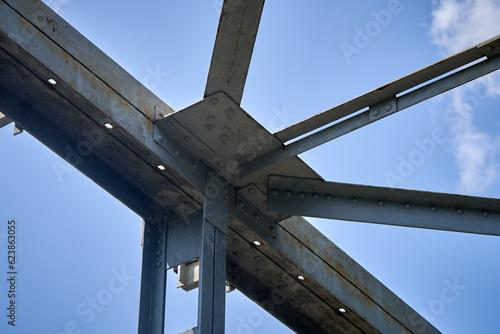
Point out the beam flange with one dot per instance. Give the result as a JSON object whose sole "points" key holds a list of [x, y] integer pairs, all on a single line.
{"points": [[233, 48], [375, 112], [389, 206], [488, 48]]}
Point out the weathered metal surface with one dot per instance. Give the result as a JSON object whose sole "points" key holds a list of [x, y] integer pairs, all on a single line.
{"points": [[489, 48], [153, 280], [316, 198], [377, 111], [69, 118], [4, 120], [233, 48]]}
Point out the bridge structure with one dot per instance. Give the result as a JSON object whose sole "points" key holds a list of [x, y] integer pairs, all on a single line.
{"points": [[219, 194]]}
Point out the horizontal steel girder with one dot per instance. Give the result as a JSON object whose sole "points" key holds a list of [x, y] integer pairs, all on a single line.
{"points": [[91, 91], [380, 106], [389, 206]]}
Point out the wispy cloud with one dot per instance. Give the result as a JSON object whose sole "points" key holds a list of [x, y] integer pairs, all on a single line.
{"points": [[457, 25]]}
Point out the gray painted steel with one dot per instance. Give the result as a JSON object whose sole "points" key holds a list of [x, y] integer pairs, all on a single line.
{"points": [[316, 198], [488, 48], [379, 109], [153, 280], [214, 136]]}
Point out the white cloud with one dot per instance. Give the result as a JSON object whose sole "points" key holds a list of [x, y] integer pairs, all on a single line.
{"points": [[457, 25]]}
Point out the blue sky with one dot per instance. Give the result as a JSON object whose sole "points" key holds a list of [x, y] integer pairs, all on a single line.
{"points": [[77, 243]]}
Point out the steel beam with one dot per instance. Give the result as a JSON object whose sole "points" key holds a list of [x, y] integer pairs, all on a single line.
{"points": [[4, 120], [212, 285], [389, 206], [488, 48], [233, 48], [124, 161], [375, 112], [153, 280]]}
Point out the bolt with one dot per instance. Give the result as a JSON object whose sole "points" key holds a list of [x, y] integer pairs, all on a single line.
{"points": [[376, 112], [433, 208], [460, 211], [209, 127], [315, 196], [224, 137], [328, 197], [158, 253], [381, 203], [408, 205], [388, 108], [485, 214], [276, 192], [210, 118], [158, 264], [160, 241], [355, 200], [288, 193]]}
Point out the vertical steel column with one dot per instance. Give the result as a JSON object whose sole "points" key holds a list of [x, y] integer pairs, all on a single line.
{"points": [[212, 284], [153, 280]]}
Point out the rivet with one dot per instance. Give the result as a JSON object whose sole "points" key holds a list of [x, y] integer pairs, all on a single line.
{"points": [[209, 127], [388, 108], [210, 118], [226, 129], [187, 138], [433, 208], [288, 193], [158, 253], [158, 264], [159, 138], [355, 200], [302, 195], [160, 241], [328, 197], [194, 165], [315, 196], [408, 205], [276, 192], [376, 112], [485, 214], [224, 137], [381, 203], [460, 211], [241, 204]]}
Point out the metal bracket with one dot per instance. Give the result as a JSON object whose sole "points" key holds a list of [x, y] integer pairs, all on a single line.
{"points": [[382, 109], [216, 202], [255, 214]]}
